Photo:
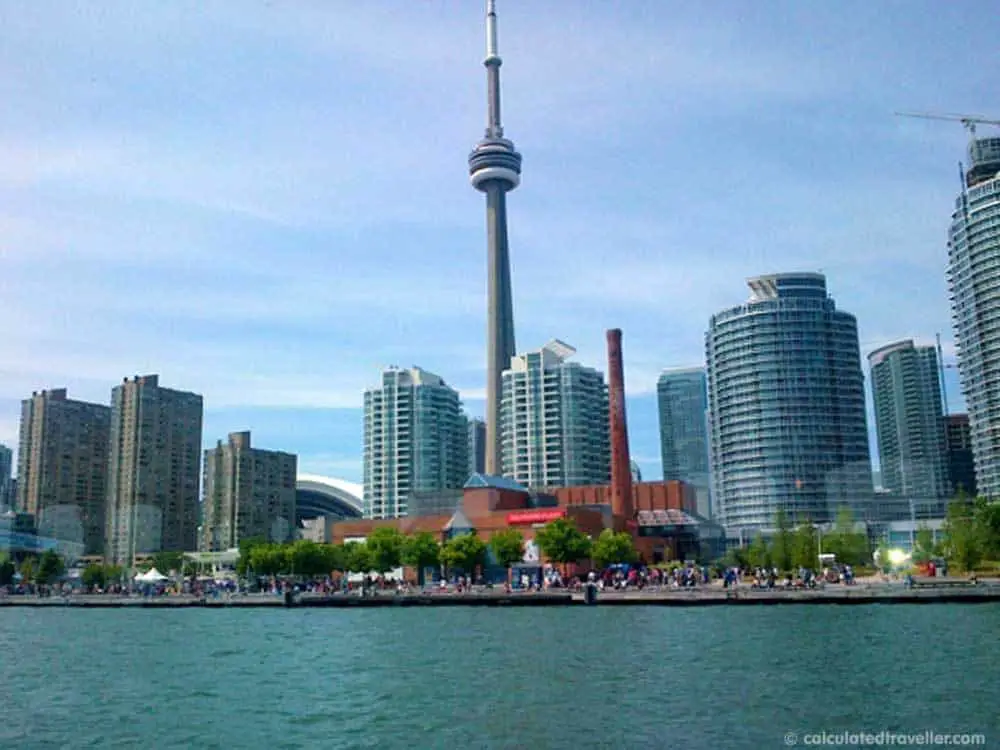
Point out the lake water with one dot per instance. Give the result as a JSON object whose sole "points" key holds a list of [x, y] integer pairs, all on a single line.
{"points": [[457, 678]]}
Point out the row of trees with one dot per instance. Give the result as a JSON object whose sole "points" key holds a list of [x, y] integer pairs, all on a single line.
{"points": [[44, 569], [792, 548], [970, 536], [387, 548]]}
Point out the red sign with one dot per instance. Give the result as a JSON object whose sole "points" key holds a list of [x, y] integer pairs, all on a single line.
{"points": [[534, 516]]}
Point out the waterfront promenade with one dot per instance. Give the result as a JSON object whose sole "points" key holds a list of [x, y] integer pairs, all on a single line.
{"points": [[950, 591]]}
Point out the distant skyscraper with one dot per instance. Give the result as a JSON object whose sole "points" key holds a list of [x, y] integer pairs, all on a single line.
{"points": [[153, 476], [416, 440], [682, 395], [249, 492], [958, 442], [974, 278], [787, 424], [906, 392], [477, 446], [62, 467], [555, 420], [6, 456], [495, 169]]}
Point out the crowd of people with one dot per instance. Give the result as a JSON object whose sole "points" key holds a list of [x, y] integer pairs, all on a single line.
{"points": [[614, 578]]}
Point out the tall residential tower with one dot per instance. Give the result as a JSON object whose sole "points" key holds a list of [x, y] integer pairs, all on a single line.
{"points": [[62, 466], [153, 475], [415, 441], [249, 492], [974, 278], [906, 392], [555, 420], [495, 169], [786, 398], [682, 395]]}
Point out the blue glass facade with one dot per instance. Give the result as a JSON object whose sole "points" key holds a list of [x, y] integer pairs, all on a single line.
{"points": [[906, 393], [682, 397], [787, 419]]}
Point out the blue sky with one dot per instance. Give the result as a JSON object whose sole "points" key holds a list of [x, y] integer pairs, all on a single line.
{"points": [[267, 202]]}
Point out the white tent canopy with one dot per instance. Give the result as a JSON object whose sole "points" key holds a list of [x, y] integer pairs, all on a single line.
{"points": [[151, 576]]}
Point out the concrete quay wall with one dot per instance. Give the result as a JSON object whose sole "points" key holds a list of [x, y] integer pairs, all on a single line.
{"points": [[715, 596]]}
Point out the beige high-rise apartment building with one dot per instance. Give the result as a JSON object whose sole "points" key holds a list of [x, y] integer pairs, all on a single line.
{"points": [[248, 492], [62, 467], [153, 475]]}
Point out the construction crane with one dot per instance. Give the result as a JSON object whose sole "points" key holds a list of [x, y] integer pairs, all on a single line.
{"points": [[969, 121]]}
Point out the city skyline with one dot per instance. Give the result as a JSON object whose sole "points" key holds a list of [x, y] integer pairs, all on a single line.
{"points": [[240, 230]]}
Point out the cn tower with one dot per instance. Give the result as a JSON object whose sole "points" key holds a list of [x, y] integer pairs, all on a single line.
{"points": [[495, 169]]}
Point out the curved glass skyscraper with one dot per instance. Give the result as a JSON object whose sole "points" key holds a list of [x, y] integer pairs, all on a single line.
{"points": [[974, 278], [786, 406]]}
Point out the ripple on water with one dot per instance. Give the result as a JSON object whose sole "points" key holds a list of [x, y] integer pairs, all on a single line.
{"points": [[457, 678]]}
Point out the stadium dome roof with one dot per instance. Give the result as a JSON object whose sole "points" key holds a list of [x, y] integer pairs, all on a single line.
{"points": [[327, 496]]}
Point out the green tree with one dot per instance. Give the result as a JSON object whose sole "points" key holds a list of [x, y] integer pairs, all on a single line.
{"points": [[50, 567], [27, 570], [962, 538], [385, 545], [269, 559], [168, 562], [306, 558], [113, 573], [507, 547], [923, 545], [193, 568], [560, 541], [421, 551], [987, 516], [781, 543], [357, 557], [333, 557], [7, 570], [246, 547], [758, 554], [849, 546], [94, 576], [735, 557], [611, 547], [805, 547], [465, 552]]}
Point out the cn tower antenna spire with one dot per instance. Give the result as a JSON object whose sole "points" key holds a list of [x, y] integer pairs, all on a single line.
{"points": [[495, 169], [491, 31], [492, 62]]}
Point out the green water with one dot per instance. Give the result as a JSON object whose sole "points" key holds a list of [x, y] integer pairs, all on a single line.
{"points": [[459, 678]]}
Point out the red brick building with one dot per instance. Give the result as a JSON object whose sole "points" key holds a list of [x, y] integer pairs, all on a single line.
{"points": [[489, 504]]}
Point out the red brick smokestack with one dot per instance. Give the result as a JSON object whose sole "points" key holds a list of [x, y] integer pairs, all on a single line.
{"points": [[621, 464]]}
